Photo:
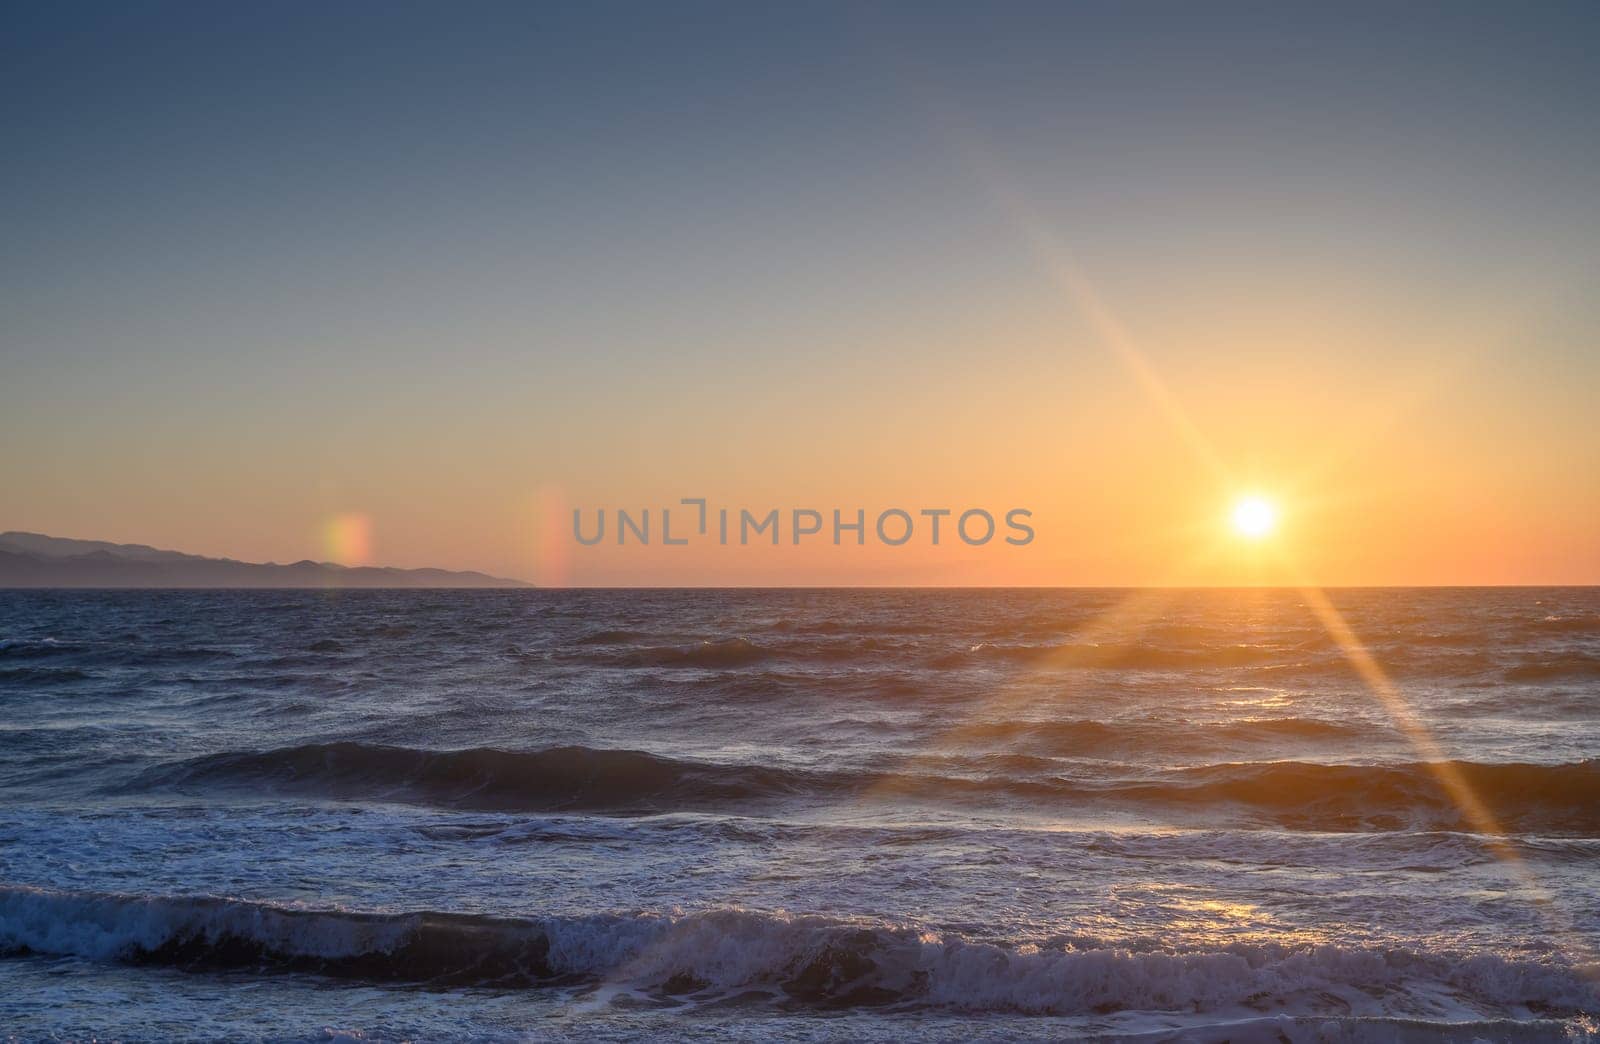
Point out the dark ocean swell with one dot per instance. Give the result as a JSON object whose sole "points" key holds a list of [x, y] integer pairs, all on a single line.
{"points": [[1555, 799], [581, 778], [1563, 799], [802, 961]]}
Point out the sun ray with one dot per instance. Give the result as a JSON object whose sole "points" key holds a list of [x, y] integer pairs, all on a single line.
{"points": [[1113, 335]]}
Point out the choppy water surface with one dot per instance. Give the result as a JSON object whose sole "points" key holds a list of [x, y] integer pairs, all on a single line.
{"points": [[798, 815]]}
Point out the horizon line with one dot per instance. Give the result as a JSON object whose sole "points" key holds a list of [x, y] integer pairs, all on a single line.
{"points": [[529, 586]]}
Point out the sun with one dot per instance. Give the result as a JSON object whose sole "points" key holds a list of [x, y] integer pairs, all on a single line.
{"points": [[1254, 517]]}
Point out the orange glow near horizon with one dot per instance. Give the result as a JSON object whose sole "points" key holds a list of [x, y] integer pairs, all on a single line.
{"points": [[1124, 413], [1126, 417]]}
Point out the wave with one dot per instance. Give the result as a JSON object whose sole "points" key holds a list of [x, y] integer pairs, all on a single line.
{"points": [[1562, 798], [792, 960], [32, 648], [1557, 799], [1579, 624], [123, 653], [621, 649], [389, 630], [734, 652], [1424, 654], [727, 652], [1580, 702], [41, 675], [609, 637], [580, 778], [1088, 737], [1126, 656], [1574, 666], [772, 684]]}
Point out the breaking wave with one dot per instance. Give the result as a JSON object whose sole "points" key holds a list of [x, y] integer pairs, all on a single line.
{"points": [[791, 960]]}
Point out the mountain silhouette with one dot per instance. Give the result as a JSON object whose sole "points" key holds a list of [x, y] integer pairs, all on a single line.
{"points": [[35, 560]]}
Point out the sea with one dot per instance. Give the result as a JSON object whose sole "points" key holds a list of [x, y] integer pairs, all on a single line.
{"points": [[802, 814]]}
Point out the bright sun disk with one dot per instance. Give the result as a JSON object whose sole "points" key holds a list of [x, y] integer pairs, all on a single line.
{"points": [[1254, 517]]}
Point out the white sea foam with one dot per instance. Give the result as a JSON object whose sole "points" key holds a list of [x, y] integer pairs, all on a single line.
{"points": [[798, 959]]}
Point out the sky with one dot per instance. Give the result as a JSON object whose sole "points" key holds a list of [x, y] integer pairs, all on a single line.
{"points": [[409, 283]]}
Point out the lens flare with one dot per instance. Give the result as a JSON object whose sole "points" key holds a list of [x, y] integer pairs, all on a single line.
{"points": [[347, 539], [552, 537]]}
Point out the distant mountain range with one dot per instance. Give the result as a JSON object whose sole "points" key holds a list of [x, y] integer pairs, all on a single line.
{"points": [[34, 560]]}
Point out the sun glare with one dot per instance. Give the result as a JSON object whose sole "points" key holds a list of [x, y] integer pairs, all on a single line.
{"points": [[1254, 517]]}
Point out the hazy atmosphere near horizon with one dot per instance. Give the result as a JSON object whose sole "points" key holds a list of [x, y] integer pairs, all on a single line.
{"points": [[394, 284]]}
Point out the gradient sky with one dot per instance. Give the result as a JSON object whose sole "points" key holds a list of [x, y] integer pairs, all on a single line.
{"points": [[450, 270]]}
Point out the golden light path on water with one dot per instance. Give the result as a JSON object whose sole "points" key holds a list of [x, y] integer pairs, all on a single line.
{"points": [[1142, 606]]}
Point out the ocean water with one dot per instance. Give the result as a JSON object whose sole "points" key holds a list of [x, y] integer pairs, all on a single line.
{"points": [[799, 815]]}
